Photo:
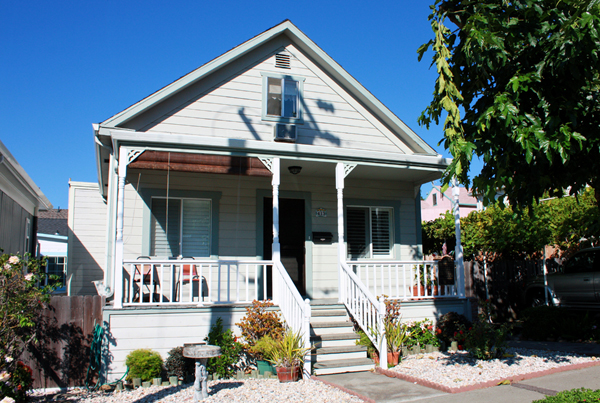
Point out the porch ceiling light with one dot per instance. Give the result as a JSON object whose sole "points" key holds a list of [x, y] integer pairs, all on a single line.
{"points": [[295, 170]]}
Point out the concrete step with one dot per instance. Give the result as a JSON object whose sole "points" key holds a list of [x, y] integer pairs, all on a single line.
{"points": [[321, 328], [334, 340], [321, 354], [340, 366], [328, 315]]}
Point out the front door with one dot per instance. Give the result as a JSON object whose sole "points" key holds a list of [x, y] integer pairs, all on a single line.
{"points": [[291, 237]]}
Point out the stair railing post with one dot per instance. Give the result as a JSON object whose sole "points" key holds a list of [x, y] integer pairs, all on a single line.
{"points": [[306, 330], [382, 339]]}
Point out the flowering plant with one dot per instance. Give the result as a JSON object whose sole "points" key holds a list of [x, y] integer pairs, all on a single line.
{"points": [[22, 301], [422, 333]]}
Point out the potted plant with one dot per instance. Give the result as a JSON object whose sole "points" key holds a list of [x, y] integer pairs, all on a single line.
{"points": [[425, 278], [259, 322], [287, 354], [396, 334], [262, 350]]}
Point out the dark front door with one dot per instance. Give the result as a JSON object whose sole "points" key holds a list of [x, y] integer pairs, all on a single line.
{"points": [[291, 237]]}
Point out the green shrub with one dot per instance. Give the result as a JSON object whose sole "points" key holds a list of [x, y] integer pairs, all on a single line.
{"points": [[226, 364], [144, 363], [572, 396], [485, 340], [177, 365], [449, 325]]}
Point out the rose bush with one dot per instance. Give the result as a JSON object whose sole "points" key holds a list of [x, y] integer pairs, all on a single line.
{"points": [[22, 301]]}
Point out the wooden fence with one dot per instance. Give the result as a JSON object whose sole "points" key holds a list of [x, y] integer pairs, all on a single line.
{"points": [[506, 282], [61, 356]]}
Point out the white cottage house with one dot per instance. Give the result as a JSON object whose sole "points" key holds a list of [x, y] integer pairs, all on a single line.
{"points": [[267, 173]]}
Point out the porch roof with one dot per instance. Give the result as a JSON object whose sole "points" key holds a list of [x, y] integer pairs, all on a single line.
{"points": [[315, 160]]}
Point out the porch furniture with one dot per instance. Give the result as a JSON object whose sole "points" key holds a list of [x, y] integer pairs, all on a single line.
{"points": [[201, 353], [147, 283], [188, 274]]}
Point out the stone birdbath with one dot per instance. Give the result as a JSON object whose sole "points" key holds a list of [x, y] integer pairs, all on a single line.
{"points": [[201, 353]]}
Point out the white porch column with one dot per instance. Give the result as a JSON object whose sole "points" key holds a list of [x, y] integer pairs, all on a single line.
{"points": [[126, 156], [276, 248], [339, 185], [458, 252], [118, 265], [275, 182]]}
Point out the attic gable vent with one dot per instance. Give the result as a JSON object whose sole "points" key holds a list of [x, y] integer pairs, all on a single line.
{"points": [[282, 61]]}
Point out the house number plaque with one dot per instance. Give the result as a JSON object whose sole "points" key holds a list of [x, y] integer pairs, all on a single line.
{"points": [[321, 212]]}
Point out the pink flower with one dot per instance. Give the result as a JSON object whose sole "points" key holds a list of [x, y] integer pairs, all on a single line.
{"points": [[29, 276], [4, 376], [13, 260]]}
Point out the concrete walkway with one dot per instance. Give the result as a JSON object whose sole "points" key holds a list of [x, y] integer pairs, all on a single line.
{"points": [[381, 389]]}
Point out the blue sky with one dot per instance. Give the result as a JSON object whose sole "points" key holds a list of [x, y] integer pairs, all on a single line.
{"points": [[65, 65]]}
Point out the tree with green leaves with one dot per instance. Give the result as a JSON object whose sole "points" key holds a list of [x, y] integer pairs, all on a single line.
{"points": [[519, 82]]}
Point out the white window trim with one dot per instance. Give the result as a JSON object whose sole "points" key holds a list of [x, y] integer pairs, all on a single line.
{"points": [[265, 90], [210, 225], [370, 234]]}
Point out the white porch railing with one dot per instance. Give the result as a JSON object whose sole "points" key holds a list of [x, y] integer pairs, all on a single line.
{"points": [[295, 311], [404, 280], [190, 281], [365, 309]]}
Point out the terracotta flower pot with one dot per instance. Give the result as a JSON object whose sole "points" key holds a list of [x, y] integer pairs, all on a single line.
{"points": [[419, 291], [393, 358], [288, 374]]}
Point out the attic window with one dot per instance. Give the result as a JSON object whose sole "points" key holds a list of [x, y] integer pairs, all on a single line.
{"points": [[282, 61]]}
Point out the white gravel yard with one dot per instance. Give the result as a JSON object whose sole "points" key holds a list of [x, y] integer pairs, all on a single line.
{"points": [[457, 369], [252, 390]]}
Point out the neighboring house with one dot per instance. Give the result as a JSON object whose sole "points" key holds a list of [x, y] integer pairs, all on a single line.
{"points": [[267, 173], [20, 201], [436, 203], [52, 238]]}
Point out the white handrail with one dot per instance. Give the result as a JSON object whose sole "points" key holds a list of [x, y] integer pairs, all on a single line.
{"points": [[368, 312], [295, 311]]}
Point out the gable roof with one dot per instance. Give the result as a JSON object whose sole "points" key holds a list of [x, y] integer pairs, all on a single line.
{"points": [[306, 45]]}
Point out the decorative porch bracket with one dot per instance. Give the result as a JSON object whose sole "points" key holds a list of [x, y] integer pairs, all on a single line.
{"points": [[126, 157]]}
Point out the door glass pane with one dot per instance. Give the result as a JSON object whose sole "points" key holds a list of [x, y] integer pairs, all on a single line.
{"points": [[357, 218], [274, 96], [163, 243], [196, 228]]}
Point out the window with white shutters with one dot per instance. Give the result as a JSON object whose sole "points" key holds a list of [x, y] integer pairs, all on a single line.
{"points": [[180, 227], [369, 232]]}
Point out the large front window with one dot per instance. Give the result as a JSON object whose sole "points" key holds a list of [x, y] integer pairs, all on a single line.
{"points": [[369, 232], [180, 227]]}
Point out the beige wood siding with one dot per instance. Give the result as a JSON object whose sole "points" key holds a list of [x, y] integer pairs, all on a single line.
{"points": [[231, 107], [87, 238]]}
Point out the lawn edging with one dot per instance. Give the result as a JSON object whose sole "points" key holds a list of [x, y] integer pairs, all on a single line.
{"points": [[487, 384]]}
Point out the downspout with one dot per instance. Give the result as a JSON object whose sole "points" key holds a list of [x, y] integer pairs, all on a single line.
{"points": [[104, 287]]}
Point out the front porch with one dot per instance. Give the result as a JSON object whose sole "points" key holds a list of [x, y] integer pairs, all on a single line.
{"points": [[193, 216]]}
